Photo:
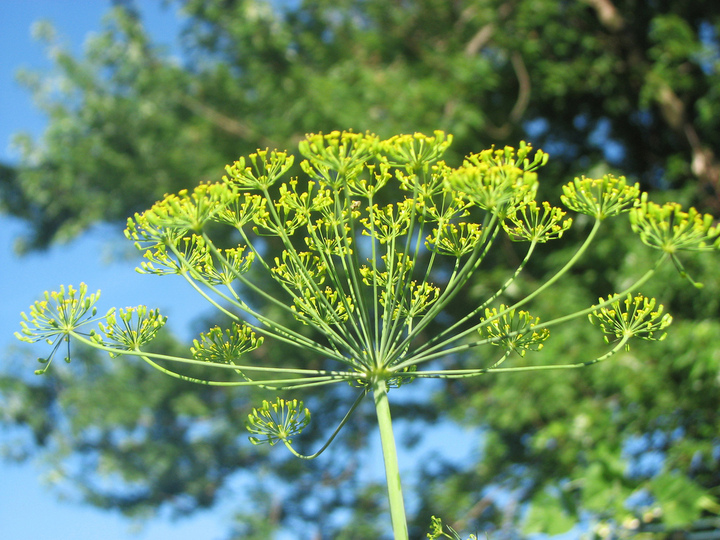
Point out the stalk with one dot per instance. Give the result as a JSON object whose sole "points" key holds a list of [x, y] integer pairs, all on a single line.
{"points": [[392, 471]]}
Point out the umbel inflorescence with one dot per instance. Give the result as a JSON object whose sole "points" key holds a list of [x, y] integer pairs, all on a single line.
{"points": [[355, 246]]}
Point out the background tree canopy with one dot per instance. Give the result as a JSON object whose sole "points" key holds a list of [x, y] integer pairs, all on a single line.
{"points": [[631, 87]]}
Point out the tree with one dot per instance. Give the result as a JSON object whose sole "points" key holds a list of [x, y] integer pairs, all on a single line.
{"points": [[628, 86]]}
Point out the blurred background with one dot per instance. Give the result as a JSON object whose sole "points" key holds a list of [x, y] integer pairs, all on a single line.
{"points": [[106, 106]]}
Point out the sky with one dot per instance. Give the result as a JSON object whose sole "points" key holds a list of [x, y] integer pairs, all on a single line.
{"points": [[29, 509]]}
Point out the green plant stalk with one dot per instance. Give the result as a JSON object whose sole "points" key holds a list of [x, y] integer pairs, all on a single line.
{"points": [[392, 471], [326, 376], [347, 416]]}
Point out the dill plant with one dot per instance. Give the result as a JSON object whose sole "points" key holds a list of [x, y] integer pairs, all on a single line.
{"points": [[362, 273]]}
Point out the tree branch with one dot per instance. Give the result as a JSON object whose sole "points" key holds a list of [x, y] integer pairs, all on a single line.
{"points": [[703, 164], [608, 14], [224, 122]]}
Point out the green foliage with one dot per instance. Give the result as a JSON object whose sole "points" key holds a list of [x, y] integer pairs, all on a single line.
{"points": [[547, 515], [480, 71], [570, 76]]}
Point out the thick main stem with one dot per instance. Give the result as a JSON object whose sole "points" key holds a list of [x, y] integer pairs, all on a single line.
{"points": [[392, 471]]}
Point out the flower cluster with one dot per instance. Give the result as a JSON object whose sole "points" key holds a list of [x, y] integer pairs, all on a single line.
{"points": [[531, 223], [58, 314], [216, 346], [635, 316], [671, 229], [354, 260], [54, 319], [130, 328], [437, 530], [279, 421], [367, 273], [600, 198], [514, 330]]}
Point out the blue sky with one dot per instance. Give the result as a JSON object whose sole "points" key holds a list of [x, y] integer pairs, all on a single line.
{"points": [[29, 509]]}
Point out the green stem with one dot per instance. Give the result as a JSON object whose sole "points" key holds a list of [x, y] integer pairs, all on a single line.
{"points": [[436, 352], [334, 434], [338, 375], [464, 373], [439, 349], [392, 471]]}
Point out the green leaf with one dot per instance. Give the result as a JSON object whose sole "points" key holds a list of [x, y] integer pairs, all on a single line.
{"points": [[681, 499], [547, 515]]}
